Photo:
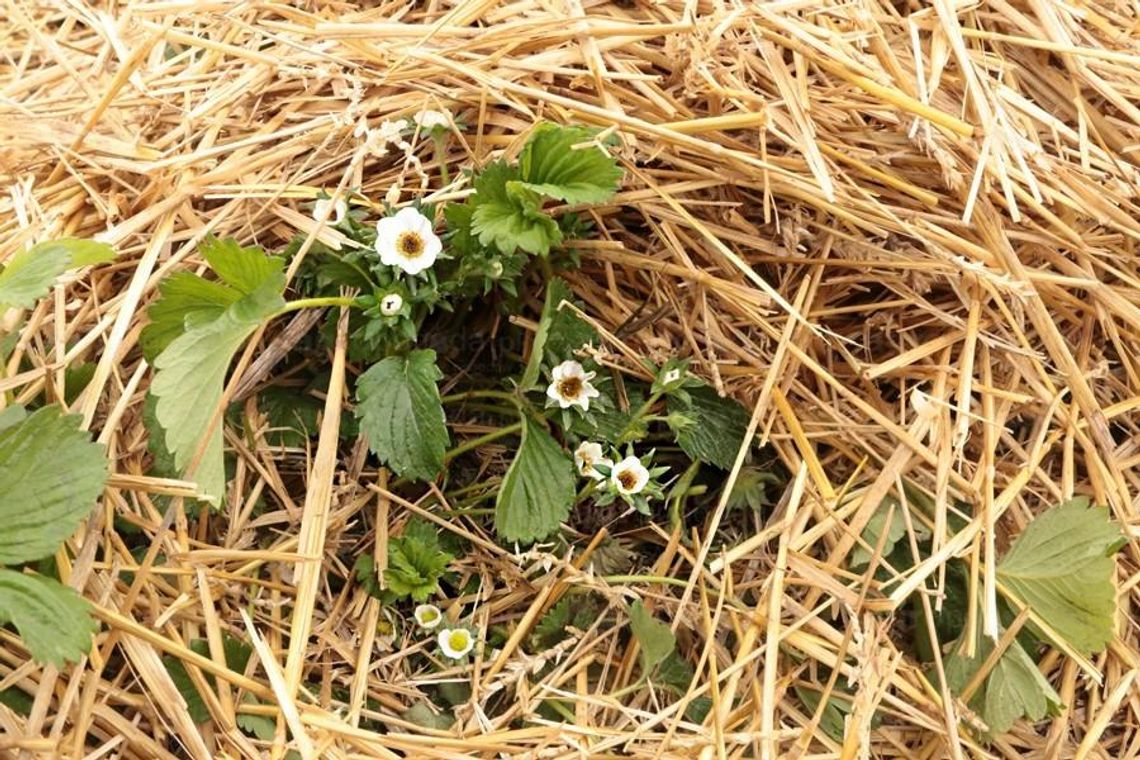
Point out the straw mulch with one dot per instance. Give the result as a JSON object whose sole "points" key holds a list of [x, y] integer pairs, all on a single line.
{"points": [[825, 207]]}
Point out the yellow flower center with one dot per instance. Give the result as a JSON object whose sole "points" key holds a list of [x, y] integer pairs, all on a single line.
{"points": [[429, 616], [458, 640], [410, 244], [627, 479], [570, 387]]}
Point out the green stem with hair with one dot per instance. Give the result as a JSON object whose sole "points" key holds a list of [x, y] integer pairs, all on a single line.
{"points": [[316, 303]]}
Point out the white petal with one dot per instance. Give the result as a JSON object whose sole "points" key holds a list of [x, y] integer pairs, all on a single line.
{"points": [[445, 643], [428, 616], [432, 244], [388, 229], [410, 219], [574, 369]]}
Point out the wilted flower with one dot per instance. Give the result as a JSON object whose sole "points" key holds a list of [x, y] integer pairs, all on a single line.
{"points": [[428, 119], [629, 476], [407, 241], [589, 454], [428, 616], [456, 642], [377, 139], [570, 386], [323, 207]]}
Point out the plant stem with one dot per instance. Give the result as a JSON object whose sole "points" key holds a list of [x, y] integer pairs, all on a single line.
{"points": [[316, 303], [439, 142], [630, 688], [482, 440], [662, 579], [681, 491], [470, 395], [639, 414]]}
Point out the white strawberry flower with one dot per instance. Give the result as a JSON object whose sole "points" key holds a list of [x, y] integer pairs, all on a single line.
{"points": [[428, 119], [589, 454], [428, 616], [671, 376], [391, 304], [407, 241], [323, 208], [629, 476], [456, 642], [570, 386]]}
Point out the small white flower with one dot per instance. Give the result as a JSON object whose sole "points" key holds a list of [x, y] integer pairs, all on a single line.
{"points": [[406, 241], [570, 386], [429, 119], [496, 269], [629, 476], [589, 454], [391, 304], [428, 616], [323, 207], [671, 376], [456, 642]]}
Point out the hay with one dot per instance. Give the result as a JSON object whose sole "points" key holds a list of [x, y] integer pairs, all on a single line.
{"points": [[826, 207]]}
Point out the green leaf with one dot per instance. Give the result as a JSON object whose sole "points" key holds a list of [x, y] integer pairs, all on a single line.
{"points": [[551, 166], [75, 379], [751, 489], [717, 426], [17, 700], [54, 621], [401, 415], [1014, 688], [612, 425], [1061, 566], [12, 415], [509, 216], [163, 465], [237, 654], [832, 720], [185, 301], [29, 275], [860, 556], [416, 562], [422, 715], [538, 489], [675, 673], [560, 331], [41, 503], [189, 383], [244, 269], [461, 239], [293, 417], [364, 569], [259, 726], [573, 610], [656, 640]]}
